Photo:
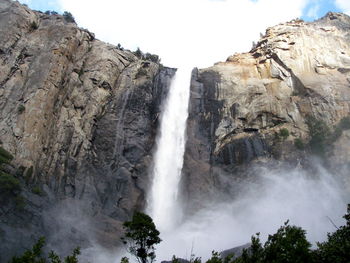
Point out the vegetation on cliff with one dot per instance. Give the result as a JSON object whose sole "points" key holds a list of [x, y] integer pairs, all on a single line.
{"points": [[288, 245]]}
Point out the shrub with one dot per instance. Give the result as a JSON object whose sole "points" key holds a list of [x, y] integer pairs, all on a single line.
{"points": [[119, 46], [34, 26], [29, 172], [138, 53], [141, 72], [5, 156], [319, 135], [68, 17], [21, 109], [298, 143], [284, 133], [37, 190], [34, 255], [9, 184], [344, 124], [152, 57]]}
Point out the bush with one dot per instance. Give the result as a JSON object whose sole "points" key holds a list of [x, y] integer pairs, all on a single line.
{"points": [[284, 133], [319, 135], [21, 109], [68, 17], [37, 190], [138, 53], [34, 255], [141, 72], [29, 172], [298, 143], [5, 156], [152, 57], [9, 184], [34, 26], [344, 124]]}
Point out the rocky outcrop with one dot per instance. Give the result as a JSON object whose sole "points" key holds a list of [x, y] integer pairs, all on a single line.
{"points": [[80, 117], [239, 109]]}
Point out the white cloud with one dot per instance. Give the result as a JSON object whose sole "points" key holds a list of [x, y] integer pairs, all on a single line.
{"points": [[195, 32], [344, 5]]}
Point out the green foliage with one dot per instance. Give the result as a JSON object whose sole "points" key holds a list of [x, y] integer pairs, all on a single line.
{"points": [[20, 202], [29, 172], [138, 53], [337, 246], [319, 135], [140, 237], [148, 56], [344, 124], [254, 254], [48, 12], [34, 26], [21, 109], [9, 185], [68, 17], [299, 144], [119, 46], [215, 257], [124, 260], [295, 93], [34, 255], [37, 190], [141, 72], [5, 155], [288, 245], [152, 57], [284, 133], [175, 259]]}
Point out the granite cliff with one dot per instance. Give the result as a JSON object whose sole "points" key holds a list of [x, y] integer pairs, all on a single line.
{"points": [[240, 109], [80, 117]]}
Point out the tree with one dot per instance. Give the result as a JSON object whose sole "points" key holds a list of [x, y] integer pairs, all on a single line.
{"points": [[34, 255], [337, 246], [140, 237], [68, 17], [288, 245]]}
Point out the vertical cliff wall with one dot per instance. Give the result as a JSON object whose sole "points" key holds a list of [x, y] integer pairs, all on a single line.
{"points": [[80, 117], [239, 109]]}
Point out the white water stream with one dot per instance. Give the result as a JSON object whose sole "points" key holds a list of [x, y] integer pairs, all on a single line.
{"points": [[168, 160]]}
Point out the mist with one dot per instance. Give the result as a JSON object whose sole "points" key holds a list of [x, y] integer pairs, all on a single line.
{"points": [[312, 202]]}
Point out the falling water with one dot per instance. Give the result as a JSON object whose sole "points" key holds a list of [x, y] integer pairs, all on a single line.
{"points": [[168, 158]]}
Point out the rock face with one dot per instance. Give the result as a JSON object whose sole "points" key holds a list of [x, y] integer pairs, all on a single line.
{"points": [[239, 107], [80, 116]]}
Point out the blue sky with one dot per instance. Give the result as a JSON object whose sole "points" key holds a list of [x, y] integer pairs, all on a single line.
{"points": [[314, 9], [317, 9], [43, 5], [200, 32]]}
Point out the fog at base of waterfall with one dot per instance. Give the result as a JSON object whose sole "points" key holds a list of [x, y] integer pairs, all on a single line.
{"points": [[168, 158], [311, 202]]}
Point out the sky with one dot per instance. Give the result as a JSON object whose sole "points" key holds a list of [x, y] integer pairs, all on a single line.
{"points": [[187, 32]]}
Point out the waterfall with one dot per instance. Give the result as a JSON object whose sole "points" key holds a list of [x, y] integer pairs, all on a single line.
{"points": [[168, 159]]}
